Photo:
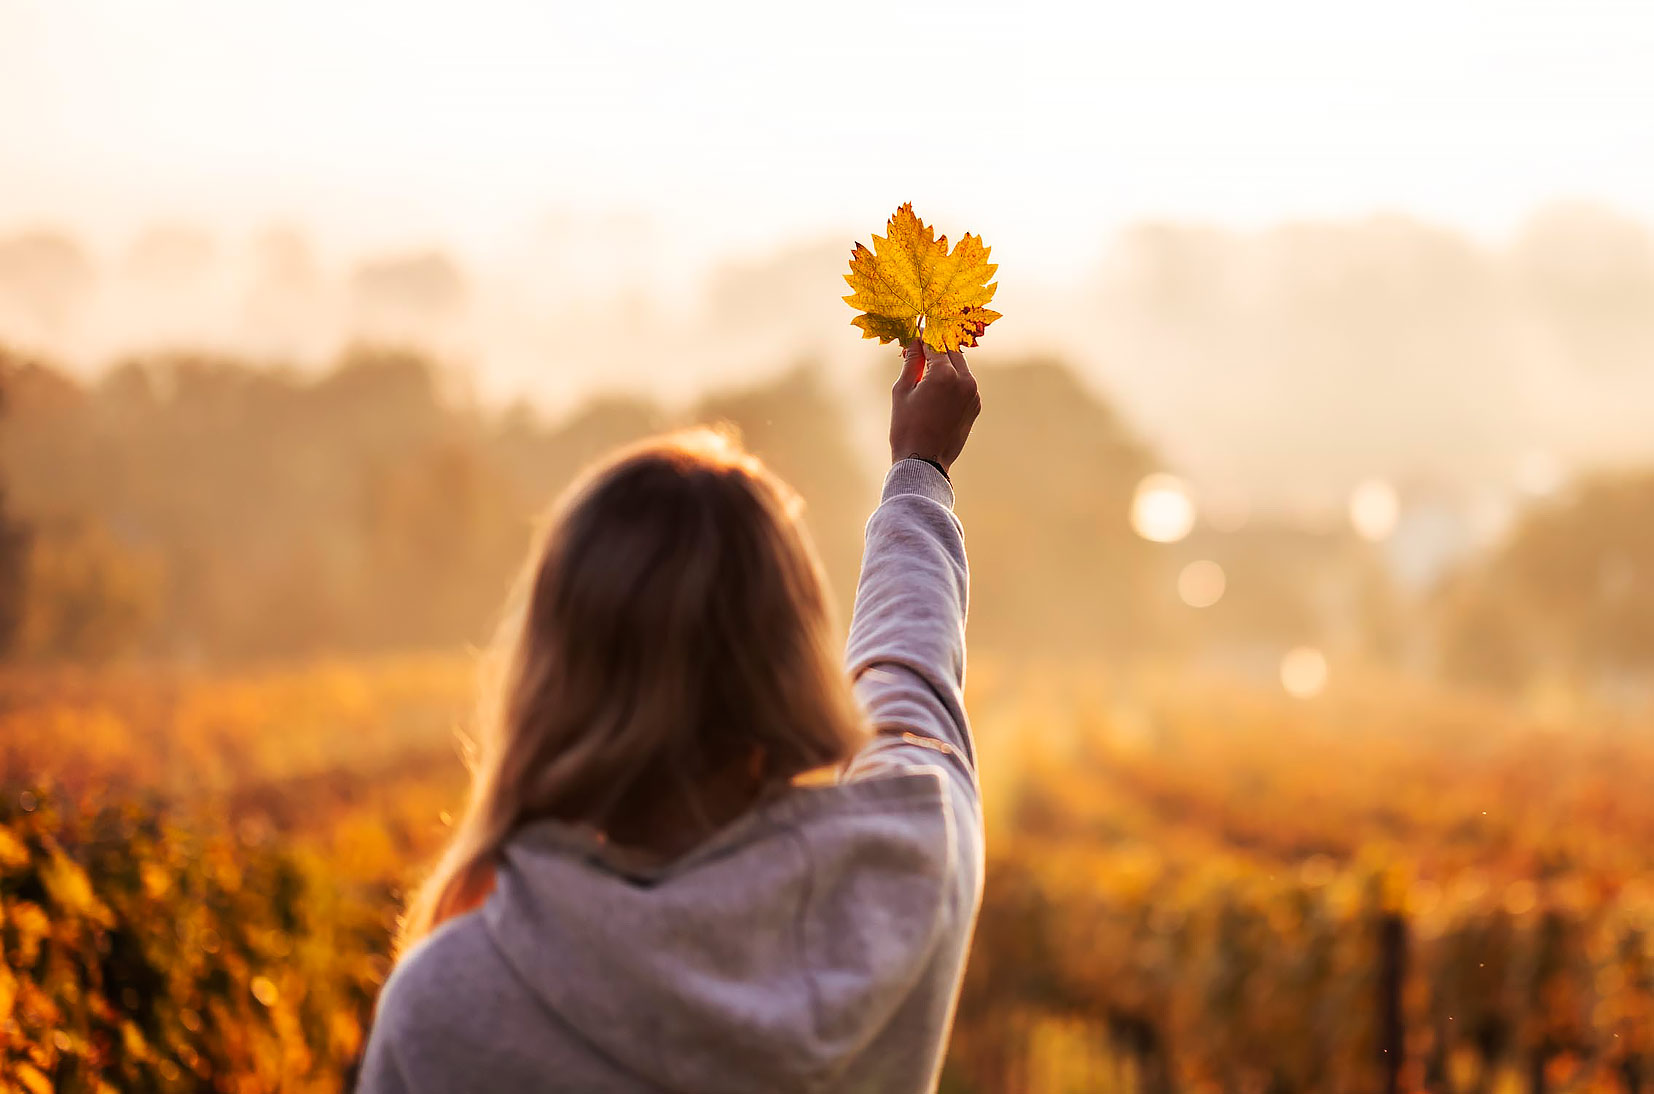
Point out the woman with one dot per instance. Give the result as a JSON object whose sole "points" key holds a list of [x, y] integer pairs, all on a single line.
{"points": [[654, 887]]}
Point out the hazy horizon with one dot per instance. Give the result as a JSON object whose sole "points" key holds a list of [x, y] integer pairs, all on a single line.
{"points": [[1309, 520], [736, 126], [1295, 248]]}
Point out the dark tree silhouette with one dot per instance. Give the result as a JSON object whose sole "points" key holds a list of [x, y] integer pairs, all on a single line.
{"points": [[1570, 594], [14, 553], [1045, 489], [231, 511]]}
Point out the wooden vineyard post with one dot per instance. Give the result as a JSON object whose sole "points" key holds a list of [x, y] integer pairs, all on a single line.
{"points": [[1392, 974]]}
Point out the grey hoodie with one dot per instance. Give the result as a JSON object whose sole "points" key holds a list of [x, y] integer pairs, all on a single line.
{"points": [[815, 944]]}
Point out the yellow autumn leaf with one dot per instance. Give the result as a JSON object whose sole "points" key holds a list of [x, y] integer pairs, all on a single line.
{"points": [[32, 924], [132, 1040], [155, 878], [33, 1079], [910, 285], [71, 890], [14, 853], [265, 991]]}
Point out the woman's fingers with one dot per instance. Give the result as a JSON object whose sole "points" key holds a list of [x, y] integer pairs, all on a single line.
{"points": [[913, 364], [937, 359], [918, 359]]}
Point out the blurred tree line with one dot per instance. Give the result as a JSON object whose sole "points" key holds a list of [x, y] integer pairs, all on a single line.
{"points": [[1386, 345], [1567, 599], [197, 507], [190, 506]]}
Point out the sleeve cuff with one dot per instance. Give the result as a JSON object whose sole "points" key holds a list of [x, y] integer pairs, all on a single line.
{"points": [[910, 476]]}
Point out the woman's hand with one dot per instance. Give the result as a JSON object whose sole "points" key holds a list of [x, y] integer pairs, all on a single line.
{"points": [[932, 406]]}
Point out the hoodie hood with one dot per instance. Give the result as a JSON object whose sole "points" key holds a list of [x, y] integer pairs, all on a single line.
{"points": [[775, 950]]}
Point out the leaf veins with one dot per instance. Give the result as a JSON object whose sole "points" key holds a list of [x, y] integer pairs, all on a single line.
{"points": [[911, 286]]}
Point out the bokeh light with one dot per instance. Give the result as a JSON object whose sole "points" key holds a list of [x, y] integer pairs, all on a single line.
{"points": [[1201, 583], [1162, 510], [1374, 509], [1304, 672], [1373, 392]]}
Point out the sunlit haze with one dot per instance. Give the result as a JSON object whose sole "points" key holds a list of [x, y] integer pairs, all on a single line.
{"points": [[1216, 215], [739, 126], [1297, 529]]}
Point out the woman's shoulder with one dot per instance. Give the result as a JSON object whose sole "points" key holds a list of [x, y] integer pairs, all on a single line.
{"points": [[900, 801], [440, 974], [454, 1015], [904, 817]]}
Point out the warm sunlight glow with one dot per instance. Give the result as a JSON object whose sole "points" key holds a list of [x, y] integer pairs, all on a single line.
{"points": [[1162, 510], [1304, 672], [475, 121], [1538, 473], [1201, 584], [1226, 510], [1319, 333], [1374, 509]]}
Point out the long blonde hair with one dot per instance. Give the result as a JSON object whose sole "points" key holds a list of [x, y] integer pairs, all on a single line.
{"points": [[670, 639]]}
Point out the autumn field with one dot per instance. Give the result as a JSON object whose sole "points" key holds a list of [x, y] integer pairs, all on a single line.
{"points": [[1309, 512], [1343, 799], [1190, 887]]}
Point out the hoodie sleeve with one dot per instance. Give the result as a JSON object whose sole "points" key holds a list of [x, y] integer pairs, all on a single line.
{"points": [[907, 637]]}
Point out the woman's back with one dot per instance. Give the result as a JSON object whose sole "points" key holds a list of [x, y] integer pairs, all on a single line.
{"points": [[816, 942]]}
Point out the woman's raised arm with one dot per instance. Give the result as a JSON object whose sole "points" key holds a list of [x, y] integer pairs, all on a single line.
{"points": [[907, 637]]}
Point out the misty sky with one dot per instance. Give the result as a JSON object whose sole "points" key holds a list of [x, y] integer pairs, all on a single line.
{"points": [[735, 126]]}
